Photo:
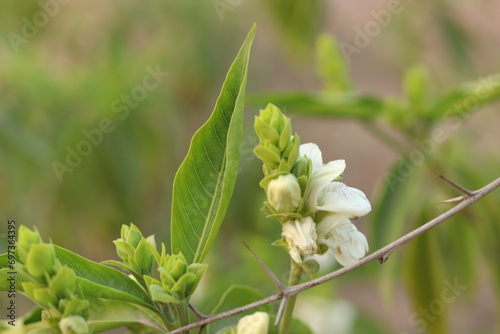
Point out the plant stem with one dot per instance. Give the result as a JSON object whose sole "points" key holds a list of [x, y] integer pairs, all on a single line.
{"points": [[295, 271], [183, 312]]}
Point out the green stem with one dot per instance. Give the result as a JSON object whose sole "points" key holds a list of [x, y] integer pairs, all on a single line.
{"points": [[295, 271], [183, 312]]}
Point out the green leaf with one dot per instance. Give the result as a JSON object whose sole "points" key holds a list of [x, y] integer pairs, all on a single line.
{"points": [[237, 295], [342, 105], [93, 291], [109, 314], [205, 181], [101, 275]]}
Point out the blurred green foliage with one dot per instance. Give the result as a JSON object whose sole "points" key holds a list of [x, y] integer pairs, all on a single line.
{"points": [[65, 78]]}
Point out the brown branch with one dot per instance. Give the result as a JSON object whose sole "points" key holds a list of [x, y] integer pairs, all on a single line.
{"points": [[382, 255]]}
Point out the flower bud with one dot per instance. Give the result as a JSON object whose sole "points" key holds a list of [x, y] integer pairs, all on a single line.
{"points": [[41, 260], [27, 238], [277, 148], [283, 193], [257, 323], [136, 252]]}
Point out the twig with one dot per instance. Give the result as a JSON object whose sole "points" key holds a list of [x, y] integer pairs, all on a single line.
{"points": [[382, 255]]}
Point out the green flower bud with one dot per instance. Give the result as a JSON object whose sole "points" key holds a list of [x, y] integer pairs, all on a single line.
{"points": [[198, 269], [158, 294], [131, 234], [41, 260], [26, 238], [73, 325], [176, 265], [266, 132], [124, 250], [143, 257], [136, 252], [63, 283]]}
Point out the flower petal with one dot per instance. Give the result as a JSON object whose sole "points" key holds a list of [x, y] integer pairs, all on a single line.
{"points": [[321, 179], [313, 153], [339, 198], [346, 242]]}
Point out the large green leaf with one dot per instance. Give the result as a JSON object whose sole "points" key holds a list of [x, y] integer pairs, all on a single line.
{"points": [[103, 276], [205, 180]]}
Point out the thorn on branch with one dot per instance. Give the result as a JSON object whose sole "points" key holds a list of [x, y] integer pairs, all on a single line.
{"points": [[281, 310], [456, 199], [467, 192]]}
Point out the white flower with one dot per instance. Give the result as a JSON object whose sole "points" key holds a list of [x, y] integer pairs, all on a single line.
{"points": [[301, 238], [346, 242], [257, 323], [283, 193]]}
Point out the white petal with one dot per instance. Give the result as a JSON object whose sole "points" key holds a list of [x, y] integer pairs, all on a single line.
{"points": [[346, 242], [327, 224], [339, 198], [321, 179], [313, 153]]}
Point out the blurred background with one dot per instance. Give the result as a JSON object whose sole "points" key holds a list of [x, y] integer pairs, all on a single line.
{"points": [[99, 100]]}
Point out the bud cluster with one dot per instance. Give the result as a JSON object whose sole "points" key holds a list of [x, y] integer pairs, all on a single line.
{"points": [[51, 285], [178, 280], [136, 252]]}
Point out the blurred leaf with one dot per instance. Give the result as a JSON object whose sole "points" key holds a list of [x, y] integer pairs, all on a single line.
{"points": [[237, 295], [331, 65], [205, 181], [298, 20], [395, 210], [425, 279], [456, 38], [467, 97], [417, 89], [102, 275], [363, 324], [322, 104]]}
